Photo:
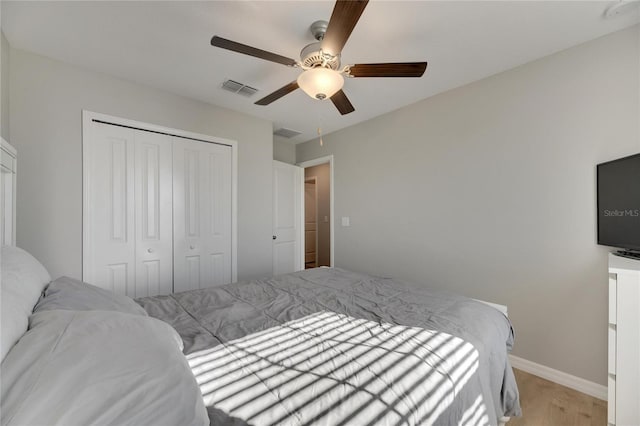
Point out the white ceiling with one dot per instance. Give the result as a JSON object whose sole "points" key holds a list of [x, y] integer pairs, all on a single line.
{"points": [[166, 44]]}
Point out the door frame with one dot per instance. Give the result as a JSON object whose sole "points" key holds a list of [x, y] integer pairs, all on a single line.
{"points": [[89, 116], [317, 162]]}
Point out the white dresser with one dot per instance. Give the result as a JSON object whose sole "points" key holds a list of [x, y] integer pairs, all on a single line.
{"points": [[624, 341]]}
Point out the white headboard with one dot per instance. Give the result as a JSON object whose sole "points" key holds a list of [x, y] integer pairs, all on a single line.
{"points": [[8, 169]]}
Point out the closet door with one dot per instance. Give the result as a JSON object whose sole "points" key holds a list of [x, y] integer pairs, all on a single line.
{"points": [[127, 210], [202, 214]]}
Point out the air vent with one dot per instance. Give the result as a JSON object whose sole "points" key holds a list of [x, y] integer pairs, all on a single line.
{"points": [[239, 88], [287, 133]]}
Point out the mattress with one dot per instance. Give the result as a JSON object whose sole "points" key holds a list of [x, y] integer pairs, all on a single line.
{"points": [[328, 346]]}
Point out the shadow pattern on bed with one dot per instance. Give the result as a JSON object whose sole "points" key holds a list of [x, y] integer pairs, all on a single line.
{"points": [[328, 346]]}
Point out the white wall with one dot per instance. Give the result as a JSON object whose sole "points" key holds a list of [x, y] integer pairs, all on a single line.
{"points": [[4, 86], [283, 150], [47, 98], [489, 190]]}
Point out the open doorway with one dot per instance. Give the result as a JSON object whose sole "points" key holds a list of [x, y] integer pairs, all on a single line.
{"points": [[318, 212], [310, 222]]}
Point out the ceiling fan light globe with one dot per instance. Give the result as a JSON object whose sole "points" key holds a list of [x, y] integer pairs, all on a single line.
{"points": [[320, 83]]}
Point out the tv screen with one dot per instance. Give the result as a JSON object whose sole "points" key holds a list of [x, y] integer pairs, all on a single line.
{"points": [[619, 203]]}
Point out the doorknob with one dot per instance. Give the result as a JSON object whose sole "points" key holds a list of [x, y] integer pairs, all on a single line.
{"points": [[149, 250], [274, 237], [192, 247]]}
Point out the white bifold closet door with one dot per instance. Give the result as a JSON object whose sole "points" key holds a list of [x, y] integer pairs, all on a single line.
{"points": [[201, 214], [157, 213], [129, 220]]}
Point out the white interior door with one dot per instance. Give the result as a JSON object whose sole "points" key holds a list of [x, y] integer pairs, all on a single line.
{"points": [[202, 191], [287, 218]]}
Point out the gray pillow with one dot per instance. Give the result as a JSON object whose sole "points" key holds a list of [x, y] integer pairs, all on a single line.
{"points": [[21, 283], [98, 367], [73, 295]]}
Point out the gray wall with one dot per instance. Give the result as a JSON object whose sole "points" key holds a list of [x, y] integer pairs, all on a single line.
{"points": [[47, 98], [4, 87], [489, 191], [283, 150], [323, 187]]}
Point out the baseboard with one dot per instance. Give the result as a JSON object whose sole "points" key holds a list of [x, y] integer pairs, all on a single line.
{"points": [[559, 377]]}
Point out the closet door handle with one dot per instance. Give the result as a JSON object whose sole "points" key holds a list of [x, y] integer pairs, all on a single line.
{"points": [[149, 250], [192, 247]]}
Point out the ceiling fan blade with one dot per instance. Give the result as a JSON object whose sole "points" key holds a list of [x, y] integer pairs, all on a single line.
{"points": [[406, 69], [343, 20], [341, 102], [251, 51], [285, 90]]}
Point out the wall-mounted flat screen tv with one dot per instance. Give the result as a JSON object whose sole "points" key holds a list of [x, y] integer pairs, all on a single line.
{"points": [[619, 203]]}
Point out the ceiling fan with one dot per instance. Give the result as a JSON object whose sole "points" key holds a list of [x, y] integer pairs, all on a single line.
{"points": [[322, 75]]}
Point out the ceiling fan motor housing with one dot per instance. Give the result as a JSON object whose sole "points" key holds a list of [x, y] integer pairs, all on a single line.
{"points": [[311, 56]]}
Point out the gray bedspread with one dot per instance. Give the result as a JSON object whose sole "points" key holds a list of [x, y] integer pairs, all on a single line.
{"points": [[332, 347]]}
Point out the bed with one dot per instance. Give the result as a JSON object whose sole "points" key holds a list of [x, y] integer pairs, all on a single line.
{"points": [[323, 346]]}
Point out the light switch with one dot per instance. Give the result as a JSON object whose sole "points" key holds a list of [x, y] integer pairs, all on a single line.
{"points": [[345, 221]]}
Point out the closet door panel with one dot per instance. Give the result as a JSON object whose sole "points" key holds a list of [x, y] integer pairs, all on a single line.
{"points": [[218, 215], [202, 214], [153, 211], [109, 240], [186, 214]]}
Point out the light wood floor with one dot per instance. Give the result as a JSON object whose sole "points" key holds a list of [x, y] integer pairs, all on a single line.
{"points": [[545, 403]]}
